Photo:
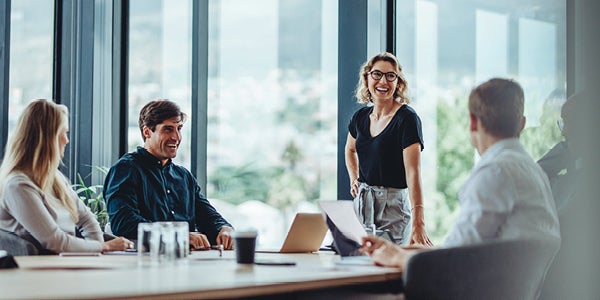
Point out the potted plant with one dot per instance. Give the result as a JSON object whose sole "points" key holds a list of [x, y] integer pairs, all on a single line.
{"points": [[92, 196]]}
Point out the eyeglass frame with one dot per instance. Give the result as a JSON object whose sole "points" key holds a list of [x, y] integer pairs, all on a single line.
{"points": [[396, 76]]}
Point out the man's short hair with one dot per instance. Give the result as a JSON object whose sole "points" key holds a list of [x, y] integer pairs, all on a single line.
{"points": [[498, 103], [156, 112]]}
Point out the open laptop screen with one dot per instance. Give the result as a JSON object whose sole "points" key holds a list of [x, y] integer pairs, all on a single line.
{"points": [[344, 246], [346, 228]]}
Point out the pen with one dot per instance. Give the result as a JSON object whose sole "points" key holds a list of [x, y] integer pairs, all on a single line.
{"points": [[214, 247], [220, 248]]}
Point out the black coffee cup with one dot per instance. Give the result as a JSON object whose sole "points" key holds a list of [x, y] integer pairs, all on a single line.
{"points": [[245, 245]]}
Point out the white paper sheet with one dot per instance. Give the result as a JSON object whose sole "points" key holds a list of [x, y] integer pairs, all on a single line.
{"points": [[342, 214]]}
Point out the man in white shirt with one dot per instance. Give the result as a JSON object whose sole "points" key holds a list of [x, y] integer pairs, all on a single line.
{"points": [[507, 196]]}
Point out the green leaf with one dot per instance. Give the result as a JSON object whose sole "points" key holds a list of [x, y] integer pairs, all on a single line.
{"points": [[92, 196]]}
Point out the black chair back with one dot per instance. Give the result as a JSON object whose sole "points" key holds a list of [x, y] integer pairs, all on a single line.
{"points": [[495, 270]]}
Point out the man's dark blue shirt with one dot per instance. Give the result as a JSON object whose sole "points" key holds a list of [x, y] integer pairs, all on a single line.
{"points": [[139, 189]]}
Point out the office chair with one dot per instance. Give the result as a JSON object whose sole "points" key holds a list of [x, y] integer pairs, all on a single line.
{"points": [[15, 245], [494, 270]]}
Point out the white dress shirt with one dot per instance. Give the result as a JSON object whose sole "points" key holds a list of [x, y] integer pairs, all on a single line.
{"points": [[507, 196]]}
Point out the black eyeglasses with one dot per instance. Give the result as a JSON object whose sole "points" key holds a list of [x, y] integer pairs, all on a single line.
{"points": [[389, 76]]}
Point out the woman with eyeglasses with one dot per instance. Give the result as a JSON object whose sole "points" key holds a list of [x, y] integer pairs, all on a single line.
{"points": [[383, 151]]}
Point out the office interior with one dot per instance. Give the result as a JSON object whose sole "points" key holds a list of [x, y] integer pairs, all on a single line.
{"points": [[268, 87]]}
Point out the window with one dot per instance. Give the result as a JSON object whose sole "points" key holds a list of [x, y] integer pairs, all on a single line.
{"points": [[160, 63], [272, 110], [445, 56], [31, 49]]}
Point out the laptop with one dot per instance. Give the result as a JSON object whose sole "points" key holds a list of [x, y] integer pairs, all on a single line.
{"points": [[306, 234]]}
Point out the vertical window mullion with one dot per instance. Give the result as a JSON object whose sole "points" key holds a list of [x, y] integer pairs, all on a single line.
{"points": [[4, 68], [199, 90], [352, 52], [73, 80]]}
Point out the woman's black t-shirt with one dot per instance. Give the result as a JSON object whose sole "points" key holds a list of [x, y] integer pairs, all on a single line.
{"points": [[380, 160]]}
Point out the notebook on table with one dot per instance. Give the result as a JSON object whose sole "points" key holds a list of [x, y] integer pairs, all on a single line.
{"points": [[305, 235]]}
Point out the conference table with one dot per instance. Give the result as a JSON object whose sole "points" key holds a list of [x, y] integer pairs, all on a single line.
{"points": [[203, 275]]}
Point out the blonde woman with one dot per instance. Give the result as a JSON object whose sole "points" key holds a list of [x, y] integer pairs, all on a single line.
{"points": [[36, 201], [383, 151]]}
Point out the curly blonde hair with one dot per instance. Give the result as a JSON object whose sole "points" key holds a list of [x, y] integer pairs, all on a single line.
{"points": [[362, 89]]}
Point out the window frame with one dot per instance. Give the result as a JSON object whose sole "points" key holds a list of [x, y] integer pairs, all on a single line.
{"points": [[4, 68]]}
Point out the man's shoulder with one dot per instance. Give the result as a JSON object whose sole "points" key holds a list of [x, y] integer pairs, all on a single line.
{"points": [[127, 160], [510, 159], [507, 153], [517, 166], [514, 156], [511, 165], [126, 166], [498, 167]]}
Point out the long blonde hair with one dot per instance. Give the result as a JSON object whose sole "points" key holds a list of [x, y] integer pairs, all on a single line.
{"points": [[34, 149]]}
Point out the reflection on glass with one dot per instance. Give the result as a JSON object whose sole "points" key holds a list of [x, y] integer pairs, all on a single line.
{"points": [[491, 38], [31, 44], [375, 25], [272, 110], [445, 56], [159, 63]]}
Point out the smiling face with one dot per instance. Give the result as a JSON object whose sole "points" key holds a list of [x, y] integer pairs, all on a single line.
{"points": [[382, 89], [164, 140]]}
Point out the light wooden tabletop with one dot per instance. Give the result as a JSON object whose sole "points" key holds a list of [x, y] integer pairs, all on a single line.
{"points": [[204, 275]]}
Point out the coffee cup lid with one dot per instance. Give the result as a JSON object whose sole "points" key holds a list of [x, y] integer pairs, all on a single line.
{"points": [[245, 233]]}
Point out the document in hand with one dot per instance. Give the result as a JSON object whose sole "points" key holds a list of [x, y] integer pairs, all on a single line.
{"points": [[344, 217], [346, 231]]}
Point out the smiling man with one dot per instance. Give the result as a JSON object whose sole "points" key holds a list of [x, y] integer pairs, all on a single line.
{"points": [[146, 186]]}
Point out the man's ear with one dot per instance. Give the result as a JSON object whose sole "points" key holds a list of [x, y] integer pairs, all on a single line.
{"points": [[472, 122], [147, 132], [523, 121]]}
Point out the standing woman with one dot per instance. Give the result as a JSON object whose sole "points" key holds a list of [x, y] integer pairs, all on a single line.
{"points": [[36, 201], [383, 151]]}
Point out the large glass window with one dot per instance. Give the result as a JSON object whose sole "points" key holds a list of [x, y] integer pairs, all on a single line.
{"points": [[31, 49], [272, 110], [447, 48], [272, 89], [160, 63], [375, 28]]}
